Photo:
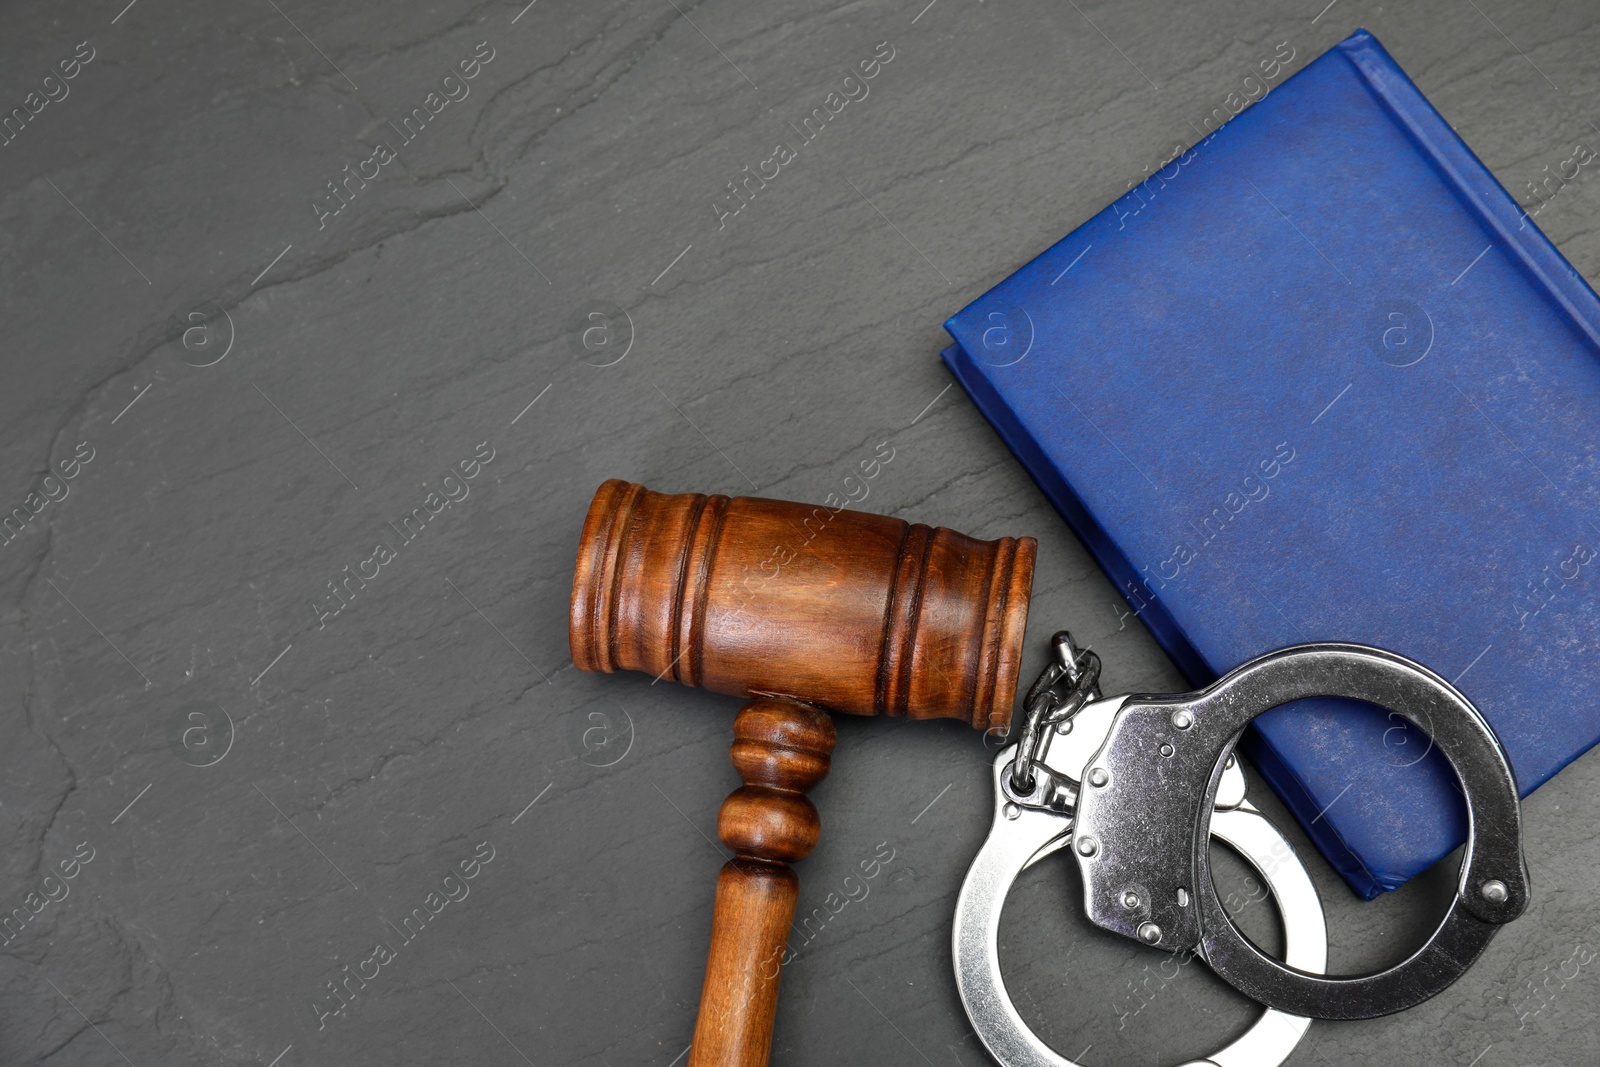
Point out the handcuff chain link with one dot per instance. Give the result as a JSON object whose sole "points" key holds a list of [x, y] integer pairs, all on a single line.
{"points": [[1069, 681]]}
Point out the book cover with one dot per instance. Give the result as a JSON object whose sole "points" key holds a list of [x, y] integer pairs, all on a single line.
{"points": [[1320, 378]]}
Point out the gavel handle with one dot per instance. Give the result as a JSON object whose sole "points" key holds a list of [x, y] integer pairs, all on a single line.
{"points": [[781, 749], [755, 904]]}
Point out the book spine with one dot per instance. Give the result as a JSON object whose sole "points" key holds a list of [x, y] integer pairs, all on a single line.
{"points": [[1477, 188]]}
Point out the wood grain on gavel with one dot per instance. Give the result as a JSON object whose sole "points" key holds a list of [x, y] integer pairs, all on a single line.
{"points": [[780, 749], [855, 613], [804, 608]]}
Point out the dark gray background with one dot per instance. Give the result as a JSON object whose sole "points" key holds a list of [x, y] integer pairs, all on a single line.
{"points": [[177, 578]]}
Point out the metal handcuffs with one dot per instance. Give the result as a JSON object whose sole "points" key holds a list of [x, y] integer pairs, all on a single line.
{"points": [[1037, 780], [1137, 785]]}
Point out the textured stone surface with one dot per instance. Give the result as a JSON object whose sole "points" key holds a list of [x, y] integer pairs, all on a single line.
{"points": [[163, 614]]}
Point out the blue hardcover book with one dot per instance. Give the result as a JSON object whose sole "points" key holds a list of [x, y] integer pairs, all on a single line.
{"points": [[1321, 378]]}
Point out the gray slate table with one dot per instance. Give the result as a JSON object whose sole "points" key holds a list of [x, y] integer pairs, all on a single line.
{"points": [[275, 340]]}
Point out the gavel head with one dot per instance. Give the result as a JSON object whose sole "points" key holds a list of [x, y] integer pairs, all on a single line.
{"points": [[855, 613]]}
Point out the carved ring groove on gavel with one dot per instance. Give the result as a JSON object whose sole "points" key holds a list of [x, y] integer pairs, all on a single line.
{"points": [[807, 609]]}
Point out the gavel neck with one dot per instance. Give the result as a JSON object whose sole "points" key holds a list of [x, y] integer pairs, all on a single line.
{"points": [[781, 749]]}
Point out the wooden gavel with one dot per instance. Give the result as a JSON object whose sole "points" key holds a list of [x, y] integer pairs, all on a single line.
{"points": [[807, 609]]}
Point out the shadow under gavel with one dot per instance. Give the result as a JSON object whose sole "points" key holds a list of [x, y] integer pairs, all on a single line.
{"points": [[807, 609]]}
